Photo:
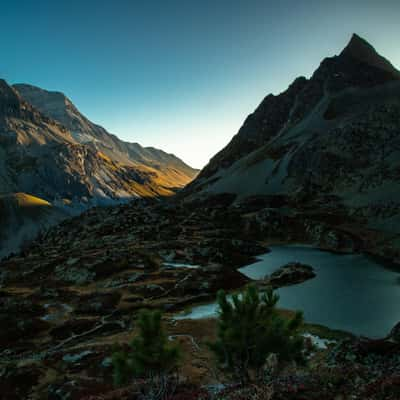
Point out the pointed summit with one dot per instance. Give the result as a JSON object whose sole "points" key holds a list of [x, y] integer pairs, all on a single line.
{"points": [[359, 49]]}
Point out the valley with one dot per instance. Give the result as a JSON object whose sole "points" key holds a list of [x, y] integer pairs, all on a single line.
{"points": [[96, 229]]}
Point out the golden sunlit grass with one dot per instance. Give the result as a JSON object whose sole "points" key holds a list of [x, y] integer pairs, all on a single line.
{"points": [[23, 205], [27, 200], [160, 182], [104, 157]]}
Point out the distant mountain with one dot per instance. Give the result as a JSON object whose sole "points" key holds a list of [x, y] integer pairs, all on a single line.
{"points": [[48, 149], [329, 144], [172, 171]]}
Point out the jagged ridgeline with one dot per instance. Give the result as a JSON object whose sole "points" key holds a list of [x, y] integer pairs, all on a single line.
{"points": [[49, 150], [329, 144]]}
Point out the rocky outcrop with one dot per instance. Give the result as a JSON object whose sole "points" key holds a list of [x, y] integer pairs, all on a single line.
{"points": [[291, 274]]}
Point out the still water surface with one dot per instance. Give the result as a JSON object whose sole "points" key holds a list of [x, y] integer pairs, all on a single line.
{"points": [[350, 292]]}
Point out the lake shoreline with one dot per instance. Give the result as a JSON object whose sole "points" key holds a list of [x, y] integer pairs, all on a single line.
{"points": [[386, 261], [357, 264]]}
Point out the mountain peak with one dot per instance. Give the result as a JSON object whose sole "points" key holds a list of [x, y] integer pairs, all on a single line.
{"points": [[31, 92], [357, 41], [6, 90], [359, 49]]}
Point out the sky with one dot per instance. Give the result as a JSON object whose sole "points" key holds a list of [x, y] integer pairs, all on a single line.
{"points": [[181, 75]]}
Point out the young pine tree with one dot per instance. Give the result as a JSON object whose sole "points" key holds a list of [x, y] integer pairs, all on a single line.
{"points": [[250, 329], [151, 357]]}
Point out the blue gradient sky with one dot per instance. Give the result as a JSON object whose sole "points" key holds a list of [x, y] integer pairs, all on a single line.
{"points": [[181, 75]]}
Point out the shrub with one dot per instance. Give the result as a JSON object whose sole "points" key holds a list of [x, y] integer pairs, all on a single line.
{"points": [[151, 358], [250, 330]]}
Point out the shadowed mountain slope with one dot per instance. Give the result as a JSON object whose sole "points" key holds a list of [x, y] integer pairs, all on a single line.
{"points": [[330, 144]]}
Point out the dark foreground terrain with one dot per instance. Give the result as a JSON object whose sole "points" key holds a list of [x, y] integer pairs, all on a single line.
{"points": [[75, 292]]}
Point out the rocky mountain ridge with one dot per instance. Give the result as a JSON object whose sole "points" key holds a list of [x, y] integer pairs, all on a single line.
{"points": [[57, 106], [358, 66], [58, 155], [330, 144]]}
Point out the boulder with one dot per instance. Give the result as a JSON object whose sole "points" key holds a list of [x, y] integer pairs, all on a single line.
{"points": [[291, 273]]}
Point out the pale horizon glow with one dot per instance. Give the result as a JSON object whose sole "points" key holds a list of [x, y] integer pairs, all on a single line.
{"points": [[181, 77]]}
